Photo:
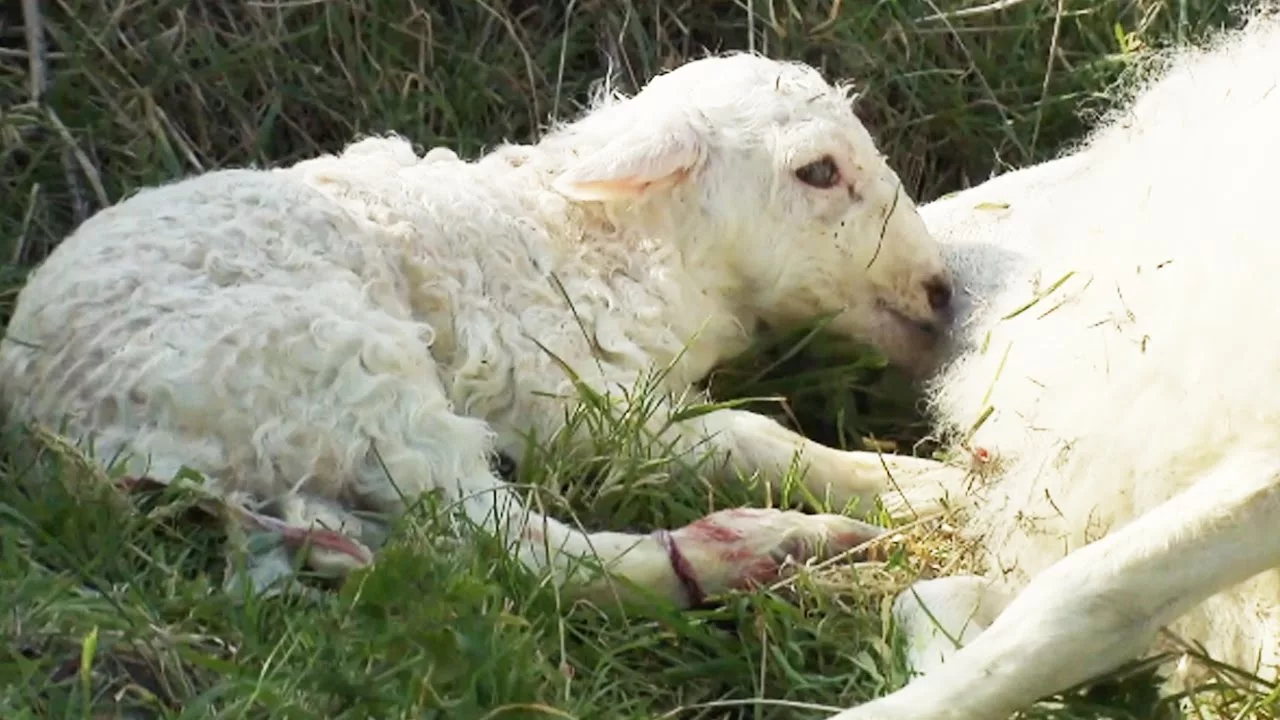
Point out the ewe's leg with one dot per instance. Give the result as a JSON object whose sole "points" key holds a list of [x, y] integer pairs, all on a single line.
{"points": [[753, 444], [1103, 604], [938, 617]]}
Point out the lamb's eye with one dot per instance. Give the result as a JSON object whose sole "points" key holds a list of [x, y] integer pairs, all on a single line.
{"points": [[821, 174]]}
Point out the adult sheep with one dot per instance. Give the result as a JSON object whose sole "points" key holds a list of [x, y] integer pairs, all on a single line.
{"points": [[354, 330], [1106, 362]]}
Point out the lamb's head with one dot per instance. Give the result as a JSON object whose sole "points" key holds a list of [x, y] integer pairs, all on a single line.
{"points": [[778, 196]]}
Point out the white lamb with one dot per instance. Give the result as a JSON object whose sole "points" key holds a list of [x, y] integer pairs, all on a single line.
{"points": [[365, 327], [1135, 437]]}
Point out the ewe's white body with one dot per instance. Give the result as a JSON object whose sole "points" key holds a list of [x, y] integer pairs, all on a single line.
{"points": [[364, 327], [1132, 408]]}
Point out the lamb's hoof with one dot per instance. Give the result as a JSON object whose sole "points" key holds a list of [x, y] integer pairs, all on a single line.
{"points": [[748, 547]]}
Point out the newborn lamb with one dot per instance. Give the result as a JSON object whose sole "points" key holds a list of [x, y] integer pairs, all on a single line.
{"points": [[352, 331]]}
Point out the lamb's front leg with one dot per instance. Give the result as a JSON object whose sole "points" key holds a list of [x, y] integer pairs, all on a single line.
{"points": [[752, 444], [1102, 605], [730, 549]]}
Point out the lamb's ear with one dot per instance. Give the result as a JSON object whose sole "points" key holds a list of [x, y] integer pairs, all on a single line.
{"points": [[649, 154]]}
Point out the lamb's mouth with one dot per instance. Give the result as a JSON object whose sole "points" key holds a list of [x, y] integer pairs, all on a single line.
{"points": [[930, 330]]}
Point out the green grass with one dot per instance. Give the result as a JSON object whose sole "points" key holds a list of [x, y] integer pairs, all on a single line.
{"points": [[112, 603]]}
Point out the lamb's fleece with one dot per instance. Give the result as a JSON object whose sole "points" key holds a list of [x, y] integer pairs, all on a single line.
{"points": [[364, 327], [1156, 356]]}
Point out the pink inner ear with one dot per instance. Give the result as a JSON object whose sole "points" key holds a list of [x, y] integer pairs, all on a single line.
{"points": [[607, 189], [618, 188]]}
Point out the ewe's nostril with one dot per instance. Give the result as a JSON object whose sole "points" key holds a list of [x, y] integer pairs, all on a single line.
{"points": [[938, 290]]}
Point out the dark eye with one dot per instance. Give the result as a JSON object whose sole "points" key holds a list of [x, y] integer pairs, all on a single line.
{"points": [[821, 174]]}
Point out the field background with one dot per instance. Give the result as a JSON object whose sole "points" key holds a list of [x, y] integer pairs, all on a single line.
{"points": [[109, 607]]}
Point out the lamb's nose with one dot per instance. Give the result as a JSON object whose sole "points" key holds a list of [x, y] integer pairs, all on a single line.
{"points": [[938, 290]]}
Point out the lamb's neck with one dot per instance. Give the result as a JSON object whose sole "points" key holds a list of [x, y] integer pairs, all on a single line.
{"points": [[657, 246], [725, 323], [705, 307]]}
